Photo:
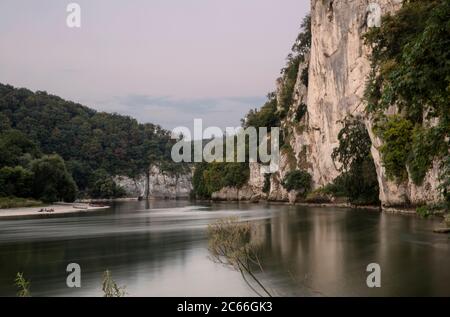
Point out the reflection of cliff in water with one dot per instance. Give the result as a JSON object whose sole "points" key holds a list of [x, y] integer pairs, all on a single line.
{"points": [[316, 251]]}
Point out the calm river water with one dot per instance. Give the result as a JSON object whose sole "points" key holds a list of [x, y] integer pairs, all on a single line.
{"points": [[159, 248]]}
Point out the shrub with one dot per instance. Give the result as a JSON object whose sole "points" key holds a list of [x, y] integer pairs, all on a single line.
{"points": [[52, 181], [103, 186], [298, 180], [23, 285], [396, 133], [14, 202], [358, 180], [318, 197], [15, 181], [300, 113], [110, 287], [230, 243], [212, 177], [265, 117]]}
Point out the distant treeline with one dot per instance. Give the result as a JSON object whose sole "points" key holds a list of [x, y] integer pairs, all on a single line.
{"points": [[82, 147]]}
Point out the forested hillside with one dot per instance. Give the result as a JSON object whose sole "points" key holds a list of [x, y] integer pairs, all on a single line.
{"points": [[93, 145]]}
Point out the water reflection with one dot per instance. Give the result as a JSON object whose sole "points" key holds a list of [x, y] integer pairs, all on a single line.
{"points": [[159, 248]]}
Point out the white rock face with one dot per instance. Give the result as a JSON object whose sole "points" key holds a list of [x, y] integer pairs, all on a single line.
{"points": [[133, 187], [373, 15], [166, 185], [338, 69], [158, 184]]}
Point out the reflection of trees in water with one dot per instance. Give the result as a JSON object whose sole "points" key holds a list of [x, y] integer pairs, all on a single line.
{"points": [[317, 251], [230, 244]]}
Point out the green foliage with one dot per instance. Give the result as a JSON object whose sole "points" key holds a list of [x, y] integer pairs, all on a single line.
{"points": [[5, 124], [423, 211], [298, 180], [358, 180], [23, 285], [302, 44], [102, 186], [52, 182], [212, 177], [336, 189], [354, 144], [431, 209], [290, 72], [319, 196], [426, 144], [14, 202], [410, 69], [265, 117], [16, 148], [286, 94], [396, 133], [445, 180], [110, 287], [15, 181], [198, 184], [300, 113], [24, 174]]}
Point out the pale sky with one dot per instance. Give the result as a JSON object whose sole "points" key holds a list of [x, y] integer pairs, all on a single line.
{"points": [[160, 61]]}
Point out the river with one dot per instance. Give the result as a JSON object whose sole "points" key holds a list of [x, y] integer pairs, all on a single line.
{"points": [[160, 248]]}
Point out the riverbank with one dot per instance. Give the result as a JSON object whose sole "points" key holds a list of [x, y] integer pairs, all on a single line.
{"points": [[55, 210]]}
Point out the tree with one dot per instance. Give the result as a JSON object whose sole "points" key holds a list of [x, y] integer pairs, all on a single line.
{"points": [[14, 145], [52, 182], [358, 180], [102, 185], [16, 181], [298, 180], [410, 69]]}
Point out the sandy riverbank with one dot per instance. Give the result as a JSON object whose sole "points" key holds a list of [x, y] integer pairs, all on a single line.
{"points": [[34, 211]]}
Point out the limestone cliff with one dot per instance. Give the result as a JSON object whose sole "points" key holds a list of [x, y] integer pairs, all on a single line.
{"points": [[338, 70], [157, 184], [339, 67]]}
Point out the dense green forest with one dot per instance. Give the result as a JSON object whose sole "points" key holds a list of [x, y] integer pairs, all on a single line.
{"points": [[78, 148]]}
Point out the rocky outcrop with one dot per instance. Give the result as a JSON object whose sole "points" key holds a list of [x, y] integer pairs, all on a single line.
{"points": [[168, 185], [338, 69], [157, 184], [134, 187]]}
